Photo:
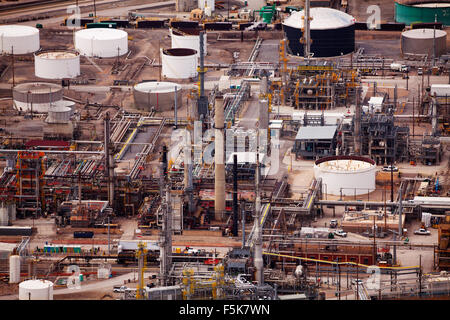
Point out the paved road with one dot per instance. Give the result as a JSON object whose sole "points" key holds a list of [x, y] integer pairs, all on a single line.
{"points": [[105, 284]]}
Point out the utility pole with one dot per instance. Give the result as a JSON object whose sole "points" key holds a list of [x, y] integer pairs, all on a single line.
{"points": [[434, 40], [374, 241], [420, 275], [307, 31], [413, 120], [95, 10], [109, 237], [12, 65], [234, 229], [175, 111], [357, 124]]}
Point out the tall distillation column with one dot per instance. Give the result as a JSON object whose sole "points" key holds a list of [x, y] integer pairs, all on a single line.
{"points": [[219, 163], [257, 253], [109, 161], [165, 236]]}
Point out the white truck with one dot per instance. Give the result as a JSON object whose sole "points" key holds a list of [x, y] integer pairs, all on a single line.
{"points": [[399, 67]]}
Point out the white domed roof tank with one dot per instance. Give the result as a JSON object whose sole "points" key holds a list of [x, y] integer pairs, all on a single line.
{"points": [[56, 64], [332, 32], [179, 63], [36, 95], [346, 175], [421, 41], [59, 114], [101, 42], [19, 39], [207, 3], [188, 38], [160, 95], [14, 269], [36, 290]]}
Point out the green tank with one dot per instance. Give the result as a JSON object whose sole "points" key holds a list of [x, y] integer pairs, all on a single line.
{"points": [[409, 13]]}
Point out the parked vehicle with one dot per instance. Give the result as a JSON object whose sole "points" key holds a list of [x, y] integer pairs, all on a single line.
{"points": [[422, 231], [333, 223], [119, 289], [399, 67], [340, 233], [388, 168], [419, 71]]}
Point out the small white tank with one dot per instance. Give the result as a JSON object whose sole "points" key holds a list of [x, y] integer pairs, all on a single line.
{"points": [[59, 114], [179, 63], [346, 175], [56, 64], [4, 219], [36, 290], [12, 211], [14, 269], [188, 38]]}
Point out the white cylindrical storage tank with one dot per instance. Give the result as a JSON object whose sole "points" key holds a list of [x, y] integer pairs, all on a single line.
{"points": [[19, 39], [36, 290], [4, 218], [421, 41], [36, 95], [159, 95], [101, 42], [207, 3], [347, 174], [188, 38], [179, 63], [14, 269], [56, 64], [59, 114]]}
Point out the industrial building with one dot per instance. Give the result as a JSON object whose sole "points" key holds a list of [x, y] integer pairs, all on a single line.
{"points": [[213, 150]]}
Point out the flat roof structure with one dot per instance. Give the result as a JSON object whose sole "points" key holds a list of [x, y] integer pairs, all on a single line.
{"points": [[316, 133]]}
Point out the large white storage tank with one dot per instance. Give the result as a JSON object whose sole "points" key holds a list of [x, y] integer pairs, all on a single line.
{"points": [[18, 39], [188, 38], [36, 95], [56, 64], [36, 290], [14, 269], [346, 175], [101, 42], [202, 4], [179, 63], [159, 95]]}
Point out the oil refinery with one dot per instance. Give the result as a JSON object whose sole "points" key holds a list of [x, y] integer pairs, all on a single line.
{"points": [[224, 150]]}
